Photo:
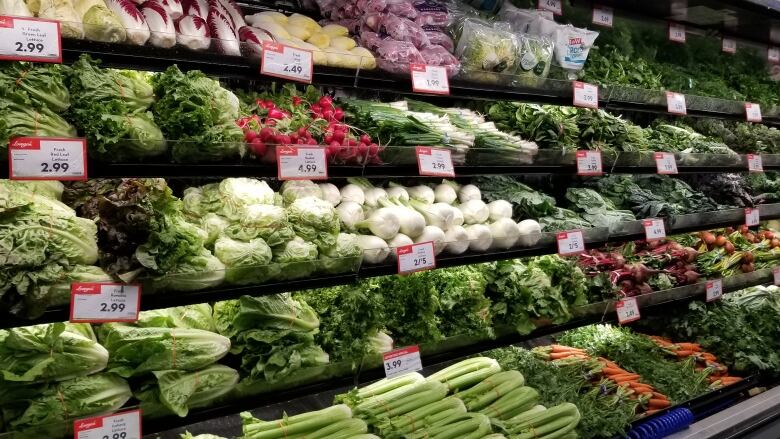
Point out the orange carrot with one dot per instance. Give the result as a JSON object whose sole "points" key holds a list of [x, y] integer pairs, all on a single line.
{"points": [[657, 395], [683, 353], [689, 346], [625, 377], [562, 348], [658, 403], [641, 388], [560, 355], [650, 412]]}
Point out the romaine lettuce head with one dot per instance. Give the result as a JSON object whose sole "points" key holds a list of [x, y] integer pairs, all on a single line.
{"points": [[276, 311], [262, 221], [314, 220], [43, 85], [124, 137], [297, 258], [175, 391], [193, 273], [343, 257], [245, 262], [189, 317]]}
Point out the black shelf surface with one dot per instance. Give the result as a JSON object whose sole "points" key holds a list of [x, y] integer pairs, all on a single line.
{"points": [[319, 394], [596, 237]]}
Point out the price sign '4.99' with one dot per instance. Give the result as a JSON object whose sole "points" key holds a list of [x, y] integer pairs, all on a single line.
{"points": [[30, 39], [96, 302], [402, 361], [676, 32], [602, 15], [435, 162], [416, 257], [47, 158], [627, 310], [125, 425], [287, 62], [301, 163], [554, 6], [585, 95], [654, 229], [429, 79]]}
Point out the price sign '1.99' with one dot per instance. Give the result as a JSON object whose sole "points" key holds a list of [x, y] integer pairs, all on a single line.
{"points": [[30, 39], [627, 310], [429, 79]]}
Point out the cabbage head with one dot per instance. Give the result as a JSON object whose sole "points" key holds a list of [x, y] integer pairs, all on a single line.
{"points": [[294, 189], [314, 220], [262, 221], [297, 259], [343, 257], [214, 226], [245, 262], [228, 198]]}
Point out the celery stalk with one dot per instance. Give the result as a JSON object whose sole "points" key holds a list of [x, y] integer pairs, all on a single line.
{"points": [[292, 425], [489, 383], [415, 419], [337, 429], [494, 394], [461, 368]]}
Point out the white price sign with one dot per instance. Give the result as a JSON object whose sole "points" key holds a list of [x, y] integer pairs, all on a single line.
{"points": [[429, 79], [30, 39], [755, 163], [97, 302], [402, 361], [125, 425], [554, 6], [603, 15], [728, 45], [585, 95], [753, 112], [654, 229], [589, 163], [752, 217], [627, 310], [47, 158], [416, 257], [773, 55], [776, 275], [676, 32], [675, 103], [301, 163], [436, 162], [570, 243], [287, 62], [714, 289], [665, 163]]}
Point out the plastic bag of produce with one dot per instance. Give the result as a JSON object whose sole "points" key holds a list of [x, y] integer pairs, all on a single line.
{"points": [[401, 8], [431, 13], [402, 29], [395, 56], [436, 36], [521, 19], [485, 49], [535, 57]]}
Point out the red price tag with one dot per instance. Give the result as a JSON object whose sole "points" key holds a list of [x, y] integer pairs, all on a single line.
{"points": [[654, 229], [728, 45], [589, 163], [301, 163], [436, 162], [30, 39], [402, 361], [554, 6], [675, 103], [773, 55], [99, 303], [627, 310], [125, 425], [585, 95], [776, 275], [47, 158], [603, 15], [570, 243], [676, 32], [753, 112], [429, 79], [755, 163], [665, 163], [287, 62], [416, 257], [752, 217], [714, 289]]}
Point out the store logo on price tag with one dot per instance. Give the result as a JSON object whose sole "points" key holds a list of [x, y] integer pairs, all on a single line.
{"points": [[287, 62], [416, 257], [755, 163], [402, 361], [752, 216], [675, 103], [728, 45], [753, 112], [429, 79], [570, 243], [773, 55], [589, 163], [301, 163], [554, 6], [104, 302], [125, 425], [436, 162], [654, 229], [665, 163], [47, 158], [585, 95], [30, 39], [627, 310], [676, 32], [602, 15], [714, 289]]}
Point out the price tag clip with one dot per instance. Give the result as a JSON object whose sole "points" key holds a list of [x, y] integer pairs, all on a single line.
{"points": [[416, 257], [436, 162], [627, 310]]}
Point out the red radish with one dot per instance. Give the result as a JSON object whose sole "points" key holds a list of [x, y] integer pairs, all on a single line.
{"points": [[267, 134], [373, 149], [352, 142], [338, 114], [312, 141], [365, 139], [258, 147], [160, 23], [294, 137], [132, 19], [193, 32], [282, 139], [275, 113], [326, 102], [223, 33], [327, 114], [296, 100], [363, 149], [250, 135], [338, 137], [303, 132]]}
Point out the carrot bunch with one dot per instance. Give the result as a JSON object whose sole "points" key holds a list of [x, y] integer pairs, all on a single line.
{"points": [[705, 361], [560, 352]]}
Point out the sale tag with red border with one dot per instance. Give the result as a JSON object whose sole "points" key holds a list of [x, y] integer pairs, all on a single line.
{"points": [[714, 289], [554, 6], [753, 112], [436, 162], [728, 45], [665, 163], [676, 32], [402, 361], [124, 425], [416, 257], [429, 79], [776, 275], [627, 310], [755, 163], [589, 163], [30, 39], [570, 242], [301, 163], [752, 217], [47, 158], [654, 229], [585, 95], [287, 62], [104, 302], [675, 103], [603, 15], [773, 55]]}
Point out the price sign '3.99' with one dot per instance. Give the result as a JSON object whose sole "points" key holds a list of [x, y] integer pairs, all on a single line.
{"points": [[30, 39]]}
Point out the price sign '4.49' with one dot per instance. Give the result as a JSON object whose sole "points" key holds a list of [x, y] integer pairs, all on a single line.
{"points": [[287, 62], [627, 310], [30, 39], [47, 158]]}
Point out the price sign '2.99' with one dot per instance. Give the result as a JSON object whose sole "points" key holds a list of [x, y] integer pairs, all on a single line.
{"points": [[47, 158], [287, 62], [30, 39]]}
